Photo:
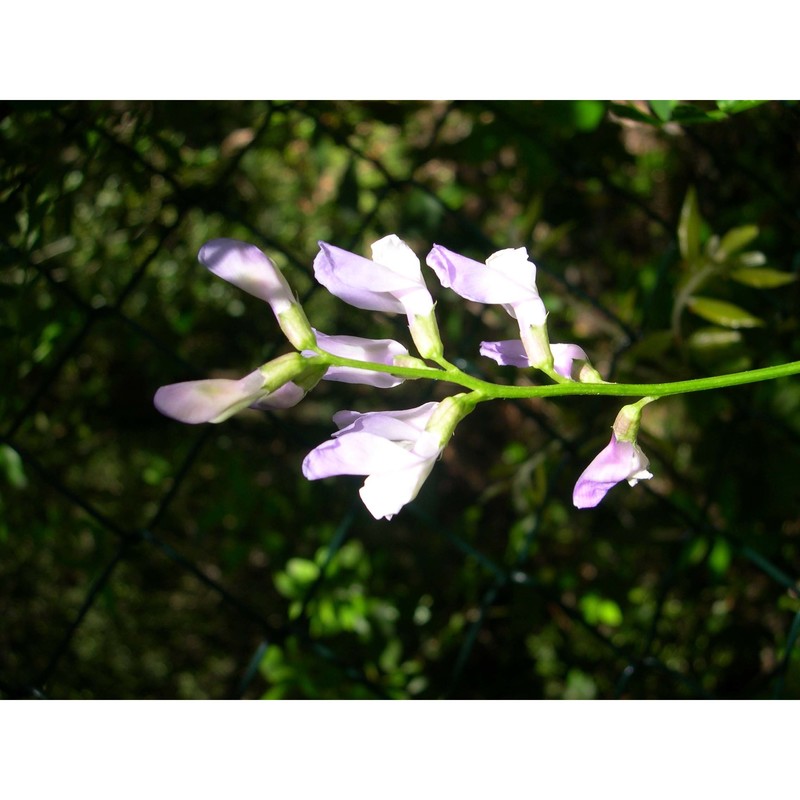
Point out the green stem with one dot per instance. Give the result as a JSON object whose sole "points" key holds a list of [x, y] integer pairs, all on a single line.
{"points": [[490, 391]]}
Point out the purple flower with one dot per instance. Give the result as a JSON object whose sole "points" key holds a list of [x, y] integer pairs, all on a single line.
{"points": [[216, 399], [381, 351], [391, 281], [618, 461], [392, 448], [511, 353], [245, 266], [507, 278]]}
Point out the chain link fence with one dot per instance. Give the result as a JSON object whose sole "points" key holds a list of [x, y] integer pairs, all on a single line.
{"points": [[144, 558]]}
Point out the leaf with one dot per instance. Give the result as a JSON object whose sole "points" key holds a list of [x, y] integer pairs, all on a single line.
{"points": [[719, 559], [718, 348], [752, 258], [737, 106], [588, 114], [763, 277], [630, 112], [689, 227], [687, 114], [714, 338], [663, 108], [599, 610], [11, 464], [302, 570], [722, 313], [735, 240]]}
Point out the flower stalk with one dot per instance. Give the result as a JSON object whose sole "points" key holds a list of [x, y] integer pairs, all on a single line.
{"points": [[395, 451]]}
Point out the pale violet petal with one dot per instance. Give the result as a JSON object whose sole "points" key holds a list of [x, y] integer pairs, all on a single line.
{"points": [[394, 253], [564, 355], [415, 418], [365, 377], [245, 266], [392, 287], [513, 282], [391, 448], [389, 428], [385, 494], [618, 461], [356, 453], [380, 351], [529, 312], [508, 353], [357, 280], [286, 396], [514, 265], [511, 353], [209, 400]]}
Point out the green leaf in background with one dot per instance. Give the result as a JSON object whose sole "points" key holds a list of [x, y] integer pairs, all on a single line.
{"points": [[714, 338], [588, 114], [11, 465], [689, 227], [762, 277], [723, 313], [752, 258], [688, 114], [600, 610], [663, 108], [681, 112], [626, 111], [716, 346], [302, 571], [735, 240], [736, 106], [719, 559]]}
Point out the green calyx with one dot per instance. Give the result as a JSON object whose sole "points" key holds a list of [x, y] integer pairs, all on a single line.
{"points": [[291, 367], [297, 328]]}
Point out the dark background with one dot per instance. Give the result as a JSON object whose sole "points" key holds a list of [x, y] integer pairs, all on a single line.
{"points": [[142, 558]]}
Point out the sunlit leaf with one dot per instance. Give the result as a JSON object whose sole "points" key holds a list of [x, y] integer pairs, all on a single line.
{"points": [[688, 114], [752, 258], [689, 227], [631, 112], [663, 108], [600, 610], [302, 570], [723, 313], [714, 338], [736, 106], [588, 114], [735, 240], [719, 558], [11, 465], [717, 346], [763, 277]]}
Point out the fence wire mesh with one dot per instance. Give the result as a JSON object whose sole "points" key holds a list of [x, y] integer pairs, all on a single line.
{"points": [[144, 558]]}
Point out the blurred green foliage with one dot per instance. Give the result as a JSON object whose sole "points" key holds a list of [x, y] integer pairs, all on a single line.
{"points": [[143, 558]]}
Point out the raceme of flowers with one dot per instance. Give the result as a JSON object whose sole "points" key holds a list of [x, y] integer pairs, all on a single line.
{"points": [[395, 450]]}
